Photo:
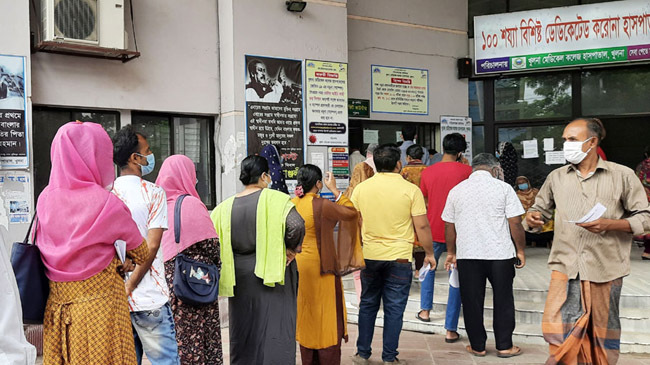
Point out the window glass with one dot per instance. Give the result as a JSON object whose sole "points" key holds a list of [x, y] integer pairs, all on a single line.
{"points": [[192, 139], [534, 169], [532, 97], [157, 131], [483, 7], [478, 140], [611, 92], [46, 122], [476, 101]]}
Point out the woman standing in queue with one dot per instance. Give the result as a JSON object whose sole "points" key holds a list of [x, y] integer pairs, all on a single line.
{"points": [[79, 221], [260, 233], [321, 304], [198, 329]]}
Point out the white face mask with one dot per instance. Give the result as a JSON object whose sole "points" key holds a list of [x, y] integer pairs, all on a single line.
{"points": [[573, 151]]}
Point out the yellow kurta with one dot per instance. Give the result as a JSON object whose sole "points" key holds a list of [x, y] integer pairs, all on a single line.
{"points": [[316, 320]]}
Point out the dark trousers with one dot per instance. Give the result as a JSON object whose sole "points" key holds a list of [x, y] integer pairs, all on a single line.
{"points": [[390, 282], [472, 275]]}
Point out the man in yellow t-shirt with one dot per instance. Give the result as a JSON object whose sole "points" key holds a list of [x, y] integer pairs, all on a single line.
{"points": [[390, 207]]}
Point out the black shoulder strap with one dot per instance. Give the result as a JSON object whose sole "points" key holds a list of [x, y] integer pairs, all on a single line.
{"points": [[29, 230], [177, 218]]}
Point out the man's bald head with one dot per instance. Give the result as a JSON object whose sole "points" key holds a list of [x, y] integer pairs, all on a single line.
{"points": [[592, 127]]}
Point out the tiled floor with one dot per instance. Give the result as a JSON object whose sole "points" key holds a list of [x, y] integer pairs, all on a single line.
{"points": [[421, 349]]}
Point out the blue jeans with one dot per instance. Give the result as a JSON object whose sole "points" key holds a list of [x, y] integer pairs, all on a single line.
{"points": [[390, 282], [453, 300], [155, 334]]}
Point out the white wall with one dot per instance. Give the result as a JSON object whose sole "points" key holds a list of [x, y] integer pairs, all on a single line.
{"points": [[421, 34], [15, 41], [266, 28], [177, 72]]}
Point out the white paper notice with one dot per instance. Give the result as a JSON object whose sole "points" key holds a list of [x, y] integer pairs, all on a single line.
{"points": [[398, 137], [370, 136], [318, 159], [530, 149], [549, 144], [453, 277], [120, 248], [555, 158], [595, 213]]}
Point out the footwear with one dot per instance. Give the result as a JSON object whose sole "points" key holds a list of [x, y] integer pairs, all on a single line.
{"points": [[645, 256], [358, 360], [395, 362], [514, 351], [475, 353], [452, 340], [421, 318]]}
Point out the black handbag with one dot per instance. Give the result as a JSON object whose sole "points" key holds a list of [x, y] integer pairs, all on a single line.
{"points": [[194, 282], [33, 285]]}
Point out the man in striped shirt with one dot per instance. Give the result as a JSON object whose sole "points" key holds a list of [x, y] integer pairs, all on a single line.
{"points": [[588, 260]]}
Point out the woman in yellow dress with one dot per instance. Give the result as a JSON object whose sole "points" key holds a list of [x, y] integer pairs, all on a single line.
{"points": [[321, 321]]}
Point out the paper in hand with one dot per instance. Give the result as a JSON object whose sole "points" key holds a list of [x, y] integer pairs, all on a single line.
{"points": [[595, 213], [120, 248], [423, 272], [453, 277]]}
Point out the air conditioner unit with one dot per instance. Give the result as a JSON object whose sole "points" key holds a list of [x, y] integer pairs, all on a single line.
{"points": [[92, 22]]}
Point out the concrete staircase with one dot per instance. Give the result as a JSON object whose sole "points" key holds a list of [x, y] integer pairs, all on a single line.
{"points": [[529, 306]]}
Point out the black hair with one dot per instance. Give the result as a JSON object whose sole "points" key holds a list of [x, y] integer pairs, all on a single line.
{"points": [[251, 66], [125, 143], [308, 176], [415, 152], [409, 131], [386, 157], [454, 144], [252, 168]]}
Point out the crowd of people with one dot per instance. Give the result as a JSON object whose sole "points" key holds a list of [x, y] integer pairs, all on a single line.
{"points": [[401, 209]]}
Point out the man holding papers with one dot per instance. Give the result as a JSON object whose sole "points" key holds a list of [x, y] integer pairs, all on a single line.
{"points": [[598, 206]]}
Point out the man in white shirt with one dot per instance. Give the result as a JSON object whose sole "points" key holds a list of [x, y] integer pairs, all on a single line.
{"points": [[481, 215], [146, 287]]}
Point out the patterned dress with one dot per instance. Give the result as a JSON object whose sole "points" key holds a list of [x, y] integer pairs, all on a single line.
{"points": [[198, 328], [88, 321]]}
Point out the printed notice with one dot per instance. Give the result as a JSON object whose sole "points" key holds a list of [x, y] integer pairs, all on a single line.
{"points": [[555, 158], [318, 159], [13, 127], [549, 144], [370, 136], [400, 90], [327, 103], [530, 149]]}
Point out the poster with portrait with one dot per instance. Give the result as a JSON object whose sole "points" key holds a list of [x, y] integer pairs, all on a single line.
{"points": [[274, 111], [13, 126]]}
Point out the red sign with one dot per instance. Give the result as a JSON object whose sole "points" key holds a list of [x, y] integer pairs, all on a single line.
{"points": [[396, 80], [329, 75]]}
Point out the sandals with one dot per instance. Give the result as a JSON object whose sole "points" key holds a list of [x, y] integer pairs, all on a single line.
{"points": [[514, 351], [475, 353], [453, 340], [421, 318]]}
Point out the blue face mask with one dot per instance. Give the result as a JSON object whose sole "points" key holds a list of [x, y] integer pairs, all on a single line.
{"points": [[497, 154], [151, 163], [523, 186]]}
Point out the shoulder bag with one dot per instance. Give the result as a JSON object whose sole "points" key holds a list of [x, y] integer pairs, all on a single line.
{"points": [[194, 282], [33, 285]]}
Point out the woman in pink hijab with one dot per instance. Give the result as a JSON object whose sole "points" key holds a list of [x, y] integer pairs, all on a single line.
{"points": [[79, 221], [198, 329]]}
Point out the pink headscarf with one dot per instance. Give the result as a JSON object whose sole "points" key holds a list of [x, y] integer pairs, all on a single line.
{"points": [[178, 176], [79, 220]]}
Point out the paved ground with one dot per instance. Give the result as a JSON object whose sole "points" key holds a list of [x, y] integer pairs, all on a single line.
{"points": [[421, 349]]}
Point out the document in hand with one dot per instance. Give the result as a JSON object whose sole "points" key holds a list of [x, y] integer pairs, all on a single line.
{"points": [[120, 248], [423, 272], [595, 213], [453, 277]]}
